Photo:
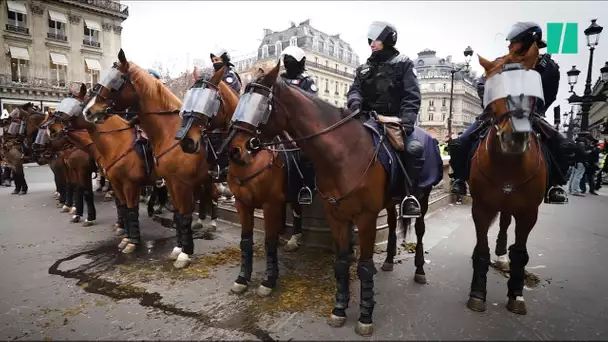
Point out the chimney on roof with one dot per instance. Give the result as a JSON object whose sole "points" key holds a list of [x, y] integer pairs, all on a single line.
{"points": [[292, 24], [267, 32]]}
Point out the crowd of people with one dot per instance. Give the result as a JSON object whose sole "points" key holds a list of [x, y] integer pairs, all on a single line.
{"points": [[587, 169]]}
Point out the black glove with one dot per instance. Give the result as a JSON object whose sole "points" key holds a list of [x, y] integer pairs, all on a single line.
{"points": [[355, 106]]}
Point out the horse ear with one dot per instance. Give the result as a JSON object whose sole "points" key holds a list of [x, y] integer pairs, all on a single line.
{"points": [[83, 90], [486, 64], [121, 58], [270, 77], [196, 74], [217, 76]]}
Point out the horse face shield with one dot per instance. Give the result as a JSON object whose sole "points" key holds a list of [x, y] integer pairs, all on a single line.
{"points": [[521, 89], [14, 128], [42, 138], [200, 104], [112, 81], [253, 108]]}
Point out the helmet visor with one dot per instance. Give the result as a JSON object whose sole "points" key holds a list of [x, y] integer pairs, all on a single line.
{"points": [[378, 31]]}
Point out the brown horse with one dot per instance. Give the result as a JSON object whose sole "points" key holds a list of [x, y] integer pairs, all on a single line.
{"points": [[508, 171], [115, 141], [129, 87], [207, 125], [19, 140], [350, 179]]}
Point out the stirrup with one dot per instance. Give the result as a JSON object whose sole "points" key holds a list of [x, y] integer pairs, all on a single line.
{"points": [[548, 200], [302, 193], [416, 203]]}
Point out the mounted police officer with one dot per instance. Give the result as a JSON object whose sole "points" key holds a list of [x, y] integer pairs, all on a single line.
{"points": [[522, 36], [294, 60], [220, 58], [387, 84]]}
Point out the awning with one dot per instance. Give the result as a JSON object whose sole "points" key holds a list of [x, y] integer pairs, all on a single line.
{"points": [[59, 59], [56, 16], [19, 53], [93, 64], [92, 24], [15, 6]]}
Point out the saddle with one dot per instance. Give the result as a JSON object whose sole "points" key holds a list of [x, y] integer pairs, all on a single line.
{"points": [[394, 131], [143, 148]]}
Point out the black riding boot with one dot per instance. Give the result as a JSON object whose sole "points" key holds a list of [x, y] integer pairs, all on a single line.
{"points": [[459, 149], [561, 151], [413, 160]]}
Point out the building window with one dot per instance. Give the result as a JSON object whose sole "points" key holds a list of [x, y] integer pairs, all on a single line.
{"points": [[340, 53], [317, 60], [336, 91], [322, 46], [326, 85], [91, 33], [58, 69], [327, 64], [92, 76], [17, 15], [336, 102], [350, 57], [345, 70], [278, 48], [431, 103], [315, 43], [431, 116], [443, 102], [331, 49], [445, 87], [19, 70], [57, 23], [264, 51], [293, 41], [345, 89], [442, 117], [336, 66]]}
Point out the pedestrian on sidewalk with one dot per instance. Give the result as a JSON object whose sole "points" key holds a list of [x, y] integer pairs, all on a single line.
{"points": [[578, 171]]}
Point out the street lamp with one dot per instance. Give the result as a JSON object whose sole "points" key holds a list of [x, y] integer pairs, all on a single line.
{"points": [[593, 37], [468, 53]]}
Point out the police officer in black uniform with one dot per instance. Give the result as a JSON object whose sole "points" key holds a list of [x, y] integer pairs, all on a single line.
{"points": [[387, 84], [220, 58], [521, 38], [294, 60]]}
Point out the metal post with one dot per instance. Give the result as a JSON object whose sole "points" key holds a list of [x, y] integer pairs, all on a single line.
{"points": [[587, 98], [453, 71]]}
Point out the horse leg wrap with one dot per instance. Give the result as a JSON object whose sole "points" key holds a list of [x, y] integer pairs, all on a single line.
{"points": [[185, 224], [78, 200], [341, 272], [133, 219], [69, 194], [120, 212], [519, 259], [481, 265], [365, 271], [272, 263], [297, 223], [163, 195], [501, 248], [246, 259], [213, 210], [89, 199], [419, 257]]}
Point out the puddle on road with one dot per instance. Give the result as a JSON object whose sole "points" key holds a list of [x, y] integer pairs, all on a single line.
{"points": [[531, 280]]}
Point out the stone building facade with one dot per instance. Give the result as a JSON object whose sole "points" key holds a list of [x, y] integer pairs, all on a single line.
{"points": [[48, 46], [330, 61]]}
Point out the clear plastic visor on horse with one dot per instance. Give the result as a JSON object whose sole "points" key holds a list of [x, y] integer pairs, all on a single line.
{"points": [[42, 138], [112, 80], [198, 103], [13, 128], [253, 108], [522, 90]]}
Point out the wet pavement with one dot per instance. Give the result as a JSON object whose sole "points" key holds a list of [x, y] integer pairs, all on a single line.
{"points": [[65, 281]]}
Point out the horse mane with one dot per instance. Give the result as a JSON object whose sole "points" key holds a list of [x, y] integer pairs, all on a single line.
{"points": [[149, 86], [321, 104], [206, 74]]}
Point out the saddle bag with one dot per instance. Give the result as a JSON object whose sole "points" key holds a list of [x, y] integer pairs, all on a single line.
{"points": [[394, 131]]}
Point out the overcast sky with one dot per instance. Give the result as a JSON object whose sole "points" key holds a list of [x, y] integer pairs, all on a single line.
{"points": [[177, 32]]}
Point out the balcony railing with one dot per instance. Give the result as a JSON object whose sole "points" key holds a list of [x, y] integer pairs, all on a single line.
{"points": [[107, 5], [57, 36], [34, 82], [18, 29], [330, 69], [91, 43]]}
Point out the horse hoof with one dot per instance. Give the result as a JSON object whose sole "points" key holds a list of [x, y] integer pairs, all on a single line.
{"points": [[198, 224], [120, 231], [56, 195], [238, 288], [292, 244], [129, 249], [23, 192], [59, 205], [88, 223], [73, 210], [64, 209], [336, 321], [75, 219], [476, 304], [420, 278], [263, 291], [123, 243], [364, 329], [183, 260], [517, 306], [175, 253], [387, 267], [502, 263]]}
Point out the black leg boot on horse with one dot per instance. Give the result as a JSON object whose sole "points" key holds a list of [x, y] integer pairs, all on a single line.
{"points": [[89, 200], [187, 241], [78, 204], [132, 221], [69, 198]]}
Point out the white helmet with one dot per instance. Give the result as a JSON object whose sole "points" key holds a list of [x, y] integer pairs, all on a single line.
{"points": [[295, 52], [219, 52], [5, 114]]}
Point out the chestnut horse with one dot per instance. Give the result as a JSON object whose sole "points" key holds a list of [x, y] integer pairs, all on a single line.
{"points": [[350, 178], [129, 87], [204, 125], [18, 142], [508, 171], [115, 141]]}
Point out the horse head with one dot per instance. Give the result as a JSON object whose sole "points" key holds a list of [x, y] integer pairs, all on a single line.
{"points": [[115, 92], [512, 91], [66, 115], [208, 104]]}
